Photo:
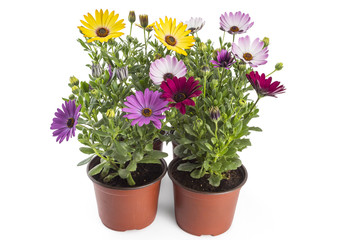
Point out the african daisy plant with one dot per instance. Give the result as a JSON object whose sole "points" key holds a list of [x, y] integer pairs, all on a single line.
{"points": [[212, 104]]}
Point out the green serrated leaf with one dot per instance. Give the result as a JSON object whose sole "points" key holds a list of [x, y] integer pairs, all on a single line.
{"points": [[188, 167], [123, 173], [214, 180], [86, 150], [85, 161], [132, 166], [97, 169]]}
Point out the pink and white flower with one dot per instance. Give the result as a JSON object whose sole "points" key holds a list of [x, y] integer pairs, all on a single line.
{"points": [[235, 23], [254, 54], [195, 24], [167, 67]]}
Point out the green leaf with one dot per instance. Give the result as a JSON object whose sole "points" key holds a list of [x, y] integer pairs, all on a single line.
{"points": [[197, 173], [155, 161], [209, 129], [100, 133], [184, 141], [188, 167], [189, 130], [121, 148], [109, 177], [214, 180], [230, 151], [213, 140], [137, 156], [208, 145], [85, 161], [97, 169], [257, 129], [132, 166], [155, 154], [123, 173], [86, 150]]}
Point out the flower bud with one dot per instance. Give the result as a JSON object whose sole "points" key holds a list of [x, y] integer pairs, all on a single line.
{"points": [[157, 56], [132, 17], [215, 53], [203, 47], [129, 38], [144, 21], [96, 70], [150, 27], [199, 122], [72, 97], [74, 81], [279, 66], [122, 73], [94, 92], [214, 113], [110, 113], [242, 102], [266, 41], [75, 89], [205, 69]]}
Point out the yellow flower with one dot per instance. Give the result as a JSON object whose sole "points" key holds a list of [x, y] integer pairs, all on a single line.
{"points": [[174, 37], [103, 27]]}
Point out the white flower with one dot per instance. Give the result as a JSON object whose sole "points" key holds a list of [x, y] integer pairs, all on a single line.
{"points": [[195, 24], [167, 67]]}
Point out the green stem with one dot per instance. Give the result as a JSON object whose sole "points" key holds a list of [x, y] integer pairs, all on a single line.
{"points": [[205, 86], [216, 129], [145, 42], [233, 37], [271, 73], [131, 28], [223, 39], [257, 100], [130, 180], [106, 159]]}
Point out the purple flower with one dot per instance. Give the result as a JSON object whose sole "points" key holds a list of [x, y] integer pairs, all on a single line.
{"points": [[263, 85], [254, 53], [145, 107], [167, 67], [110, 72], [224, 59], [235, 23], [65, 121]]}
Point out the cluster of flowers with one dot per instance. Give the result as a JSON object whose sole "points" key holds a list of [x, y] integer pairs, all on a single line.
{"points": [[175, 90]]}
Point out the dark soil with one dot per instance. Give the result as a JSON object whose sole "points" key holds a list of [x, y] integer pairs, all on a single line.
{"points": [[144, 174], [235, 177]]}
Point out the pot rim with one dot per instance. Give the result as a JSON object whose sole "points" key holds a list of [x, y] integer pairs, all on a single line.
{"points": [[163, 163], [175, 160]]}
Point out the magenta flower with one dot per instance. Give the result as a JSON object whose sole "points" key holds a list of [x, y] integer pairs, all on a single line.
{"points": [[145, 107], [65, 121], [224, 59], [180, 91], [254, 53], [263, 85], [167, 67], [235, 23]]}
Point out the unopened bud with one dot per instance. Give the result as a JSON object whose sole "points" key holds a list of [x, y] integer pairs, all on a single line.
{"points": [[150, 27], [144, 21], [266, 41], [96, 70], [72, 97], [110, 113], [215, 53], [214, 113], [279, 66], [205, 69], [132, 17], [74, 81], [199, 122], [203, 47], [157, 56], [242, 102], [75, 89], [242, 66], [122, 73]]}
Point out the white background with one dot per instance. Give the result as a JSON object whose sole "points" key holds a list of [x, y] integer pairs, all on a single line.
{"points": [[303, 168]]}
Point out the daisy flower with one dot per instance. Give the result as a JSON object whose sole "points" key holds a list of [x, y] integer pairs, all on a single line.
{"points": [[103, 27], [235, 23], [145, 107], [263, 86], [65, 121], [224, 59], [180, 91], [167, 67], [254, 54], [174, 37], [195, 24]]}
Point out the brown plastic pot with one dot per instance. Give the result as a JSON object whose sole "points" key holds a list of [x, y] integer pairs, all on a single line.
{"points": [[128, 208], [204, 213]]}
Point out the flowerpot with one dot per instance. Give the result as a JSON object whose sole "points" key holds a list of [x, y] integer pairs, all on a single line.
{"points": [[127, 208], [204, 213]]}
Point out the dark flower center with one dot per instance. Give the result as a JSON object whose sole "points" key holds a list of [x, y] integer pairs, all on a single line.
{"points": [[146, 112], [170, 40], [70, 122], [234, 29], [247, 56], [102, 32], [168, 75], [179, 97]]}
